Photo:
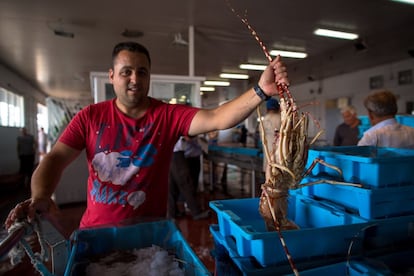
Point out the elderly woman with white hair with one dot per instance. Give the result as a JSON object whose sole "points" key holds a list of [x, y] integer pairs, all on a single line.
{"points": [[347, 133]]}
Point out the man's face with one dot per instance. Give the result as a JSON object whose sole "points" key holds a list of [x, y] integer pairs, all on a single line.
{"points": [[130, 78], [348, 117]]}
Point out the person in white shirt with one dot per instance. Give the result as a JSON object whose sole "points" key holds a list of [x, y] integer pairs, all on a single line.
{"points": [[192, 153], [181, 183], [385, 131], [42, 143]]}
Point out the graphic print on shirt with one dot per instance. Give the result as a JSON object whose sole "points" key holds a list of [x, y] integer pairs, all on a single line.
{"points": [[121, 168]]}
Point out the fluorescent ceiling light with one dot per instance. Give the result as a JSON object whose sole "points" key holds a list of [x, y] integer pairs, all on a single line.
{"points": [[335, 34], [288, 54], [234, 76], [217, 83], [207, 88], [252, 67], [405, 1]]}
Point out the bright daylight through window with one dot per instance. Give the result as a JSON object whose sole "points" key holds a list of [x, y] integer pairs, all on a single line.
{"points": [[11, 109]]}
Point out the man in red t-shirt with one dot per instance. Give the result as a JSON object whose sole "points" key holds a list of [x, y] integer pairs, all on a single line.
{"points": [[129, 142]]}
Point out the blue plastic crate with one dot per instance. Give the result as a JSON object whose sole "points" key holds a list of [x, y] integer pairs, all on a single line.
{"points": [[362, 129], [230, 263], [407, 120], [220, 148], [364, 125], [88, 243], [325, 230], [236, 150], [364, 119], [367, 165], [400, 262], [367, 203], [353, 268], [246, 151]]}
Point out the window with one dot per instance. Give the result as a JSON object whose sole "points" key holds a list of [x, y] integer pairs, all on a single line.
{"points": [[42, 118], [11, 109]]}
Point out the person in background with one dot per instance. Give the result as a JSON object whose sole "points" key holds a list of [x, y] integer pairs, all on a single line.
{"points": [[42, 143], [243, 135], [213, 141], [181, 184], [212, 138], [271, 126], [26, 150], [129, 142], [346, 134], [192, 153], [385, 131]]}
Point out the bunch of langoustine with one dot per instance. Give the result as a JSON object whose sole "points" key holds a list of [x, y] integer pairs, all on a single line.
{"points": [[286, 162], [288, 157]]}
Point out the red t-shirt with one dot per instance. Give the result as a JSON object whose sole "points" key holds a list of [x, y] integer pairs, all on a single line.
{"points": [[128, 159]]}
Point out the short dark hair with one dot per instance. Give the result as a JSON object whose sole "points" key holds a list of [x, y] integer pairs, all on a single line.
{"points": [[382, 103], [272, 104], [132, 47]]}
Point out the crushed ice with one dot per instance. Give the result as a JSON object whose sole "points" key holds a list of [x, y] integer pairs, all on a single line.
{"points": [[152, 261]]}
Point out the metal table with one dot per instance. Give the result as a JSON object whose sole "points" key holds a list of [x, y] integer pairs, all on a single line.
{"points": [[244, 158]]}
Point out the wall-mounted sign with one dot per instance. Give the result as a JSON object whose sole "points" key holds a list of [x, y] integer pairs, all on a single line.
{"points": [[405, 77], [376, 82]]}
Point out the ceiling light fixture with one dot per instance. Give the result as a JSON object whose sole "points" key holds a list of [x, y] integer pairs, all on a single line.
{"points": [[217, 83], [335, 34], [58, 27], [360, 45], [132, 33], [405, 1], [248, 66], [207, 88], [64, 34], [289, 54], [234, 76]]}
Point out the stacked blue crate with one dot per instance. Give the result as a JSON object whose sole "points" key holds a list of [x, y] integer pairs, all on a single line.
{"points": [[245, 232], [327, 235], [229, 263], [407, 120], [368, 203], [364, 125], [373, 167], [386, 176], [387, 179], [375, 219]]}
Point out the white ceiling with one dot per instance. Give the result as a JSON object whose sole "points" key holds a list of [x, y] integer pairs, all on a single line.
{"points": [[60, 66]]}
